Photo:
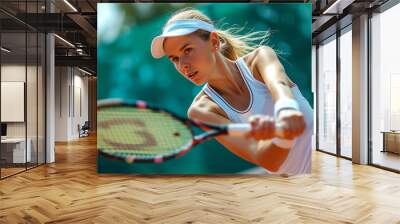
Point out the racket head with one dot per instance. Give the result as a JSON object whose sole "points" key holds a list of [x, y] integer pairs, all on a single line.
{"points": [[134, 131]]}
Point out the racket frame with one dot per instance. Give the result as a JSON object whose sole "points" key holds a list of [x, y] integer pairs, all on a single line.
{"points": [[216, 130]]}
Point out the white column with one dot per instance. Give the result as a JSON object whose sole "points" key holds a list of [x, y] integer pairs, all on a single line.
{"points": [[360, 90], [50, 93], [50, 110]]}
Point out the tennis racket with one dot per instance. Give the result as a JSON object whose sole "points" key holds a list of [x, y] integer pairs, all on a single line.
{"points": [[134, 131]]}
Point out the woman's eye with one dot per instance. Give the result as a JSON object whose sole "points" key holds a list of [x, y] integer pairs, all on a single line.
{"points": [[187, 50]]}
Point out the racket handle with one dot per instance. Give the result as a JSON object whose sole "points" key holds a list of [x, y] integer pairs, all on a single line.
{"points": [[279, 130], [239, 129]]}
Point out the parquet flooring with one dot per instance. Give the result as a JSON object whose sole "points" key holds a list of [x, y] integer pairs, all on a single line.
{"points": [[70, 191], [9, 171]]}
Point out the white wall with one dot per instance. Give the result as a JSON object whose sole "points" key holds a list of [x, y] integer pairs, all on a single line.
{"points": [[12, 73], [71, 94], [33, 126], [61, 103], [13, 101], [80, 110]]}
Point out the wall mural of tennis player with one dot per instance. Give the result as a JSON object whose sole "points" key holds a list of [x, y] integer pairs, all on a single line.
{"points": [[172, 76]]}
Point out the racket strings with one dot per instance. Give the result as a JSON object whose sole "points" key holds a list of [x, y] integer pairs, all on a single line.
{"points": [[126, 131], [138, 140]]}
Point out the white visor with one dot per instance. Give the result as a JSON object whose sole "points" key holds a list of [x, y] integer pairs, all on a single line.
{"points": [[177, 28]]}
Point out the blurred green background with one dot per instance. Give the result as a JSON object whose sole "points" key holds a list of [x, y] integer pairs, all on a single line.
{"points": [[127, 70]]}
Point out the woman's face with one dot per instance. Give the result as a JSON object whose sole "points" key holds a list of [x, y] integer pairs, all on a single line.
{"points": [[192, 56]]}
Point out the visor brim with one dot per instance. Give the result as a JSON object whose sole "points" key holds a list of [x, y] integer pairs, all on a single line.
{"points": [[157, 44]]}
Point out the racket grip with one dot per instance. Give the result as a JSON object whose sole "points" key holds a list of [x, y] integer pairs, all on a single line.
{"points": [[279, 130], [239, 129]]}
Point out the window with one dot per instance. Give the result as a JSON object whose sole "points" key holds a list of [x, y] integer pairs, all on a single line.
{"points": [[346, 93], [327, 96], [385, 88]]}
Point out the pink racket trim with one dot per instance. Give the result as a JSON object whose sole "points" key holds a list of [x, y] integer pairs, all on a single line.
{"points": [[183, 152], [159, 160], [141, 104], [130, 159]]}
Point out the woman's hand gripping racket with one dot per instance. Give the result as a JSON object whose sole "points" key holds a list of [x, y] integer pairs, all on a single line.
{"points": [[133, 131]]}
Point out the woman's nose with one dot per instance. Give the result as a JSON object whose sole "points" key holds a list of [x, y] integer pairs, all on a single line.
{"points": [[184, 67]]}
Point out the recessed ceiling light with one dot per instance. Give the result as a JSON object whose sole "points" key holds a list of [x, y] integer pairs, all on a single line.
{"points": [[5, 50], [84, 71], [64, 40], [70, 5]]}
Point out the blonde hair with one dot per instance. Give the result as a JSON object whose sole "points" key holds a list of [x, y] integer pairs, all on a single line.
{"points": [[233, 45]]}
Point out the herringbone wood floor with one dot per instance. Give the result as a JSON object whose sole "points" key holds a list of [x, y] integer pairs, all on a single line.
{"points": [[70, 191]]}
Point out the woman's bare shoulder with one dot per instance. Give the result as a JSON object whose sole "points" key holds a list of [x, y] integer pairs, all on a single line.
{"points": [[203, 103], [252, 60], [259, 54]]}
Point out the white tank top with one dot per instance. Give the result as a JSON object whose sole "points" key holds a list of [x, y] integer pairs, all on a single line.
{"points": [[299, 158]]}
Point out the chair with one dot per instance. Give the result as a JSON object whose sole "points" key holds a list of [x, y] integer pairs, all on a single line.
{"points": [[84, 130]]}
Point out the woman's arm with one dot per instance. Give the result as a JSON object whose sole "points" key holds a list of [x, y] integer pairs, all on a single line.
{"points": [[262, 152], [275, 78]]}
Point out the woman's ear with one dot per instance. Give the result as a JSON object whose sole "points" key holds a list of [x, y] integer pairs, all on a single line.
{"points": [[214, 41]]}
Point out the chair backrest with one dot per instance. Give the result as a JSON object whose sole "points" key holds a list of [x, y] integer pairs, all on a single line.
{"points": [[86, 125]]}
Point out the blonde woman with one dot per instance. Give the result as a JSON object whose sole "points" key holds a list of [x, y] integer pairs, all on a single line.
{"points": [[243, 83]]}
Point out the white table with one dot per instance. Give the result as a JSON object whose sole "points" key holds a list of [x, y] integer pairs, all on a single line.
{"points": [[18, 145]]}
